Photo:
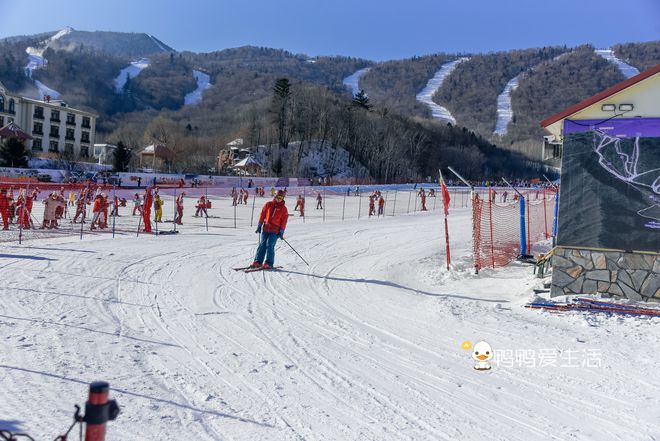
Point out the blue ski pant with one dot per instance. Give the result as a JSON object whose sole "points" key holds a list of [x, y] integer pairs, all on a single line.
{"points": [[266, 248]]}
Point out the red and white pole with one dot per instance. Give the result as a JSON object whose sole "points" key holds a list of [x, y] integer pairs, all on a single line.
{"points": [[98, 411]]}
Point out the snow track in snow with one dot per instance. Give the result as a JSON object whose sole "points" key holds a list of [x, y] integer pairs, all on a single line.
{"points": [[353, 81], [627, 70], [435, 83]]}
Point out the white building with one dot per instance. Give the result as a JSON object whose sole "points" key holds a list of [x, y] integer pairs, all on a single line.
{"points": [[55, 127]]}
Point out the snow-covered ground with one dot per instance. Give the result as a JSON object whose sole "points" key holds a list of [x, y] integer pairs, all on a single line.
{"points": [[203, 83], [132, 71], [626, 69], [504, 108], [353, 81], [435, 83], [363, 344]]}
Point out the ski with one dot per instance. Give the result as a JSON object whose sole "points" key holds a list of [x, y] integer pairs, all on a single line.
{"points": [[252, 270]]}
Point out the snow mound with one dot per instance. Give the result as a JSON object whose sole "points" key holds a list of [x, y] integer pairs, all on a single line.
{"points": [[352, 81], [435, 83], [130, 71], [203, 83], [627, 70]]}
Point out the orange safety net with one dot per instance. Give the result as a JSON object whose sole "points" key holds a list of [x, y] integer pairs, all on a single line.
{"points": [[496, 226]]}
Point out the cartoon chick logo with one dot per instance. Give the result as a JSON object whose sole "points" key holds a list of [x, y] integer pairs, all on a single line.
{"points": [[482, 353]]}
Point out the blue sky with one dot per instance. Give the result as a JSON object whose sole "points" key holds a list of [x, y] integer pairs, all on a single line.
{"points": [[376, 30]]}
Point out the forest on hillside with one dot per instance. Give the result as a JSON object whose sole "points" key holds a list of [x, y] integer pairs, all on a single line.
{"points": [[551, 88], [394, 84], [640, 55], [390, 146], [470, 92]]}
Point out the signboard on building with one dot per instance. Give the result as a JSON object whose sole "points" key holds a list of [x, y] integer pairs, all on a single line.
{"points": [[610, 185]]}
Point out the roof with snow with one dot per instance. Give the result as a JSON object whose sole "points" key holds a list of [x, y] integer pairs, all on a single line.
{"points": [[247, 162], [159, 150], [236, 143], [12, 130]]}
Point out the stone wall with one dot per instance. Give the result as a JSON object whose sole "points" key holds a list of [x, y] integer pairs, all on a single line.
{"points": [[634, 276]]}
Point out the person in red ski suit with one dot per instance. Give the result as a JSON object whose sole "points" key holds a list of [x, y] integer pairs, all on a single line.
{"points": [[272, 224], [381, 206], [104, 210], [245, 197], [201, 207], [372, 205], [146, 211], [300, 205], [179, 208], [422, 195], [96, 212], [4, 208]]}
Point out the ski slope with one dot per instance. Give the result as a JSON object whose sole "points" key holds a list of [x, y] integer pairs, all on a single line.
{"points": [[353, 81], [130, 71], [504, 107], [627, 70], [203, 83], [36, 60], [363, 344], [434, 84]]}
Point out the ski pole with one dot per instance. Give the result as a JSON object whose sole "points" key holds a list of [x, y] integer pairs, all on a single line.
{"points": [[294, 250]]}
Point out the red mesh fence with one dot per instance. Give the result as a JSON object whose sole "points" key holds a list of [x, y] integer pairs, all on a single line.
{"points": [[496, 225]]}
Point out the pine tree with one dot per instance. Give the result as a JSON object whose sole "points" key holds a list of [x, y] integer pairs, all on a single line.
{"points": [[120, 158], [12, 154], [280, 107], [361, 100]]}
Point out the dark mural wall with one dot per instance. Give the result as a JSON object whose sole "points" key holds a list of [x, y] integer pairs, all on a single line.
{"points": [[610, 185]]}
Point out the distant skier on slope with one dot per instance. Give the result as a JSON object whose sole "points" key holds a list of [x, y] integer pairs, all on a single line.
{"points": [[272, 224]]}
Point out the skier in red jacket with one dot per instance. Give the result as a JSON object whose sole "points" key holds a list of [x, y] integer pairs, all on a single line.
{"points": [[146, 212], [272, 224], [4, 208]]}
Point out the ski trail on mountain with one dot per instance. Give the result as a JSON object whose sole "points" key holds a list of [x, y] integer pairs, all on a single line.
{"points": [[130, 71], [353, 81], [627, 70], [36, 60], [434, 84], [203, 83]]}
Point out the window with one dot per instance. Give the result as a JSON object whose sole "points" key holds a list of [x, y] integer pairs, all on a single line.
{"points": [[85, 122], [70, 134], [71, 119], [12, 106], [2, 103], [36, 144], [84, 137], [54, 147], [55, 131], [38, 112], [84, 151], [68, 148], [2, 121], [55, 115], [38, 128]]}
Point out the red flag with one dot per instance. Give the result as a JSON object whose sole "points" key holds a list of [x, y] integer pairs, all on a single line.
{"points": [[445, 195]]}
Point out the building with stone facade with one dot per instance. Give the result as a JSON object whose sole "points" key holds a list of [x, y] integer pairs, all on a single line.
{"points": [[608, 239], [57, 130]]}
